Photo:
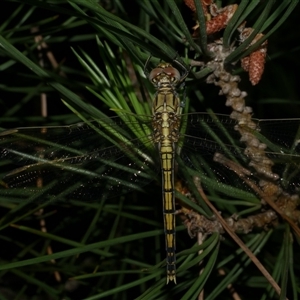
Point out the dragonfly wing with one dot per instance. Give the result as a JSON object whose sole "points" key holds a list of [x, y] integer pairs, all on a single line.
{"points": [[206, 135], [282, 138], [80, 161]]}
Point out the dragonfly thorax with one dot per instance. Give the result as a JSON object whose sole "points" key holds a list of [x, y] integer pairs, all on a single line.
{"points": [[166, 127]]}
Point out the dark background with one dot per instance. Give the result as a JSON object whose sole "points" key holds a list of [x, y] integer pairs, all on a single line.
{"points": [[276, 96]]}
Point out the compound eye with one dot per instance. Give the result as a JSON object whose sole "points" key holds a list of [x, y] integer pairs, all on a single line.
{"points": [[155, 72], [172, 72]]}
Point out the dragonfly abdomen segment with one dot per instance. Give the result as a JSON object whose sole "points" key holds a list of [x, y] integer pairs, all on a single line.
{"points": [[166, 133], [167, 163]]}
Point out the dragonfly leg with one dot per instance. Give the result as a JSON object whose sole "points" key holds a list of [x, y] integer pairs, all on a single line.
{"points": [[146, 72]]}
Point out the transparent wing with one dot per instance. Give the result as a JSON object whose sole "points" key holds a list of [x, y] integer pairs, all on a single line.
{"points": [[104, 159], [81, 161], [206, 135]]}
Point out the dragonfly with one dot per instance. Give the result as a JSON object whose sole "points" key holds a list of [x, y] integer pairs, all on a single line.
{"points": [[106, 157]]}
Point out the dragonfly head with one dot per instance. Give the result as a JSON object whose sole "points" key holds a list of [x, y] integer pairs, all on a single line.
{"points": [[164, 73]]}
